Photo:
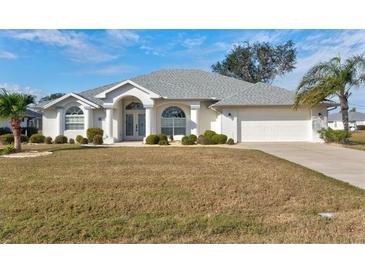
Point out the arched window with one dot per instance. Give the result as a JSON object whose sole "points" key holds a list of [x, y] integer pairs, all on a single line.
{"points": [[74, 118], [134, 105], [173, 121]]}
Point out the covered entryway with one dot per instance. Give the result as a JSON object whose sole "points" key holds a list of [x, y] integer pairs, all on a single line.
{"points": [[134, 121]]}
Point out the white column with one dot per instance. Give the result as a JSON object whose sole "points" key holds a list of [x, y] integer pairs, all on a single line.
{"points": [[150, 120], [194, 118], [60, 120], [109, 125], [88, 119]]}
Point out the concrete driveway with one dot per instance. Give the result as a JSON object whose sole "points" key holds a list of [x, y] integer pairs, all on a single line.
{"points": [[344, 164]]}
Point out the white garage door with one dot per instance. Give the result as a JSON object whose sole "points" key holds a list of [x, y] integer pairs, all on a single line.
{"points": [[274, 125]]}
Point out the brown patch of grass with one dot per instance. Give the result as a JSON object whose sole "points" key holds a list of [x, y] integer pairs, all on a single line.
{"points": [[357, 140], [177, 195]]}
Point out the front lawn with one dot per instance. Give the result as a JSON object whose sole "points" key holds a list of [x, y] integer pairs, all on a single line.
{"points": [[175, 195], [357, 140]]}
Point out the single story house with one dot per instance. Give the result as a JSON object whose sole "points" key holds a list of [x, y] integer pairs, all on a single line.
{"points": [[355, 119], [180, 102], [31, 119]]}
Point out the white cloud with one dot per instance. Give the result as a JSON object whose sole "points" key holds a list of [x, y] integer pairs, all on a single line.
{"points": [[76, 44], [194, 42], [125, 37], [323, 47], [109, 70], [150, 50], [23, 89], [7, 55]]}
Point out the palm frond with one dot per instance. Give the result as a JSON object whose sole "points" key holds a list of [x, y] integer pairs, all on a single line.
{"points": [[14, 105]]}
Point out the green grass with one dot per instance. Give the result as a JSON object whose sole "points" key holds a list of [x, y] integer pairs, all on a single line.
{"points": [[172, 195]]}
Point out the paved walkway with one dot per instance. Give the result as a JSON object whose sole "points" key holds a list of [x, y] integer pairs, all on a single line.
{"points": [[341, 163]]}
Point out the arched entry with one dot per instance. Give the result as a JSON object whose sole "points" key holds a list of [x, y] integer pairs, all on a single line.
{"points": [[134, 121]]}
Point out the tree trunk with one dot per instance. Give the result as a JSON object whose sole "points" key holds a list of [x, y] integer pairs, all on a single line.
{"points": [[15, 124], [345, 112]]}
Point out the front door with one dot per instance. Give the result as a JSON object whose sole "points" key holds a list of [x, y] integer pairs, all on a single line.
{"points": [[134, 125]]}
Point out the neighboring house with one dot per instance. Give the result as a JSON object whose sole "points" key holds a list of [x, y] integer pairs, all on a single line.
{"points": [[355, 119], [31, 119], [180, 102]]}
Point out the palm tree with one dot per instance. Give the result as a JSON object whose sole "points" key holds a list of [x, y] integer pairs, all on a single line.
{"points": [[329, 79], [13, 106]]}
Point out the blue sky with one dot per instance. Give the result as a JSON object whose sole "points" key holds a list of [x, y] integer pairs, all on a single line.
{"points": [[46, 61]]}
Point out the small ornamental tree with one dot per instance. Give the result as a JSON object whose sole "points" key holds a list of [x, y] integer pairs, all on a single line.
{"points": [[13, 107]]}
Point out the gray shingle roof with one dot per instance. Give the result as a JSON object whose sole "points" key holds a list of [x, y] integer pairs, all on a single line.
{"points": [[91, 93], [190, 84], [198, 84], [353, 116], [259, 94]]}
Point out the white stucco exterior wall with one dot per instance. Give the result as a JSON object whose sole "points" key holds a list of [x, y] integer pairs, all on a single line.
{"points": [[208, 119], [53, 119]]}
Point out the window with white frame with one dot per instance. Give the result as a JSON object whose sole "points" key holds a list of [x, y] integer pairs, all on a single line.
{"points": [[74, 118], [173, 121]]}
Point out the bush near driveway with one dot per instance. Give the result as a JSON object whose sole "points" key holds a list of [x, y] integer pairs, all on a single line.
{"points": [[219, 139], [7, 139], [91, 132], [5, 130], [48, 140], [163, 142], [162, 137], [7, 150], [186, 140], [98, 139], [334, 136], [230, 141], [60, 139], [152, 139], [79, 139], [37, 138]]}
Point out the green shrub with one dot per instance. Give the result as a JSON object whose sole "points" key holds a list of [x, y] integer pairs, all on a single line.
{"points": [[48, 140], [333, 136], [209, 133], [203, 140], [84, 141], [29, 131], [7, 139], [152, 139], [71, 141], [8, 149], [79, 139], [91, 132], [37, 138], [187, 141], [230, 141], [360, 127], [163, 142], [4, 130], [193, 138], [162, 137], [98, 140], [60, 139], [219, 139]]}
